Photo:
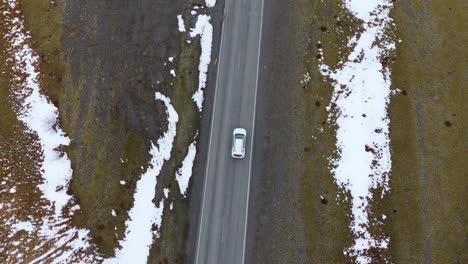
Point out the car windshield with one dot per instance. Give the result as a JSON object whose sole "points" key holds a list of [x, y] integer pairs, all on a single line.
{"points": [[239, 136]]}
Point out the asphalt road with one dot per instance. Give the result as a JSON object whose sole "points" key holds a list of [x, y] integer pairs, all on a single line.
{"points": [[223, 222]]}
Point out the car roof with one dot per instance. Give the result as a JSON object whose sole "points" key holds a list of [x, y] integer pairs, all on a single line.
{"points": [[238, 148], [240, 131], [238, 143]]}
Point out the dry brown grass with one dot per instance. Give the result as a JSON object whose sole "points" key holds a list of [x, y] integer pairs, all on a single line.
{"points": [[427, 222]]}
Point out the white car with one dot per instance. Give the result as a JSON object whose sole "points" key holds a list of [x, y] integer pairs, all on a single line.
{"points": [[238, 143]]}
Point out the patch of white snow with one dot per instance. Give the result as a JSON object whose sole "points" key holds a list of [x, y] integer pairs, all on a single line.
{"points": [[361, 96], [210, 3], [203, 28], [41, 118], [185, 172], [181, 23], [144, 214], [22, 225]]}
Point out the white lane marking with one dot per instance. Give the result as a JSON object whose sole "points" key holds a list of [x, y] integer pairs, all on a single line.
{"points": [[253, 134], [211, 132]]}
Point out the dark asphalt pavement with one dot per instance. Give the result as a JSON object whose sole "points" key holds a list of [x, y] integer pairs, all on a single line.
{"points": [[223, 221]]}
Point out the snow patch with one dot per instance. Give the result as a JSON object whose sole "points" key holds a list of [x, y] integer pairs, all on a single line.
{"points": [[144, 214], [359, 107], [210, 3], [22, 225], [203, 28], [40, 116], [180, 22], [185, 172]]}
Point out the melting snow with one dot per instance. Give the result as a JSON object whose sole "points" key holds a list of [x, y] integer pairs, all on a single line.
{"points": [[210, 3], [144, 214], [181, 23], [185, 172], [41, 118], [361, 94], [205, 30], [22, 225]]}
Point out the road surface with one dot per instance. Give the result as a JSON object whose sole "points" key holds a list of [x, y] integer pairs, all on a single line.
{"points": [[223, 222]]}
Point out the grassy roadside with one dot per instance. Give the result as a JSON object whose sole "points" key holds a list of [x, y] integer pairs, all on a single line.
{"points": [[324, 207], [170, 247], [427, 220], [44, 22], [300, 218], [107, 145], [425, 206]]}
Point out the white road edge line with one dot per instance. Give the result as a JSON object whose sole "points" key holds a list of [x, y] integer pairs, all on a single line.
{"points": [[253, 134], [211, 132]]}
